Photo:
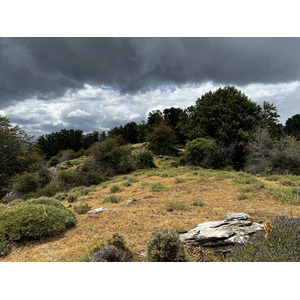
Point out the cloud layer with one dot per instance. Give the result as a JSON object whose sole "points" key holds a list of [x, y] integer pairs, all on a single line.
{"points": [[101, 108], [47, 68]]}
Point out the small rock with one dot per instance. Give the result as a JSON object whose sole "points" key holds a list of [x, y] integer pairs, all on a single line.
{"points": [[169, 209], [97, 210], [131, 201], [237, 216]]}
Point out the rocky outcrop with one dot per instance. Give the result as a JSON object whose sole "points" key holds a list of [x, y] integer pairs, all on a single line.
{"points": [[236, 228]]}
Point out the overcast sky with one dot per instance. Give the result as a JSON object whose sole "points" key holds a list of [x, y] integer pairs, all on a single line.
{"points": [[47, 84]]}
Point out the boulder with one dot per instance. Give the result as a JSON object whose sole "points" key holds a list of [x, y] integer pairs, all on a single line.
{"points": [[222, 235]]}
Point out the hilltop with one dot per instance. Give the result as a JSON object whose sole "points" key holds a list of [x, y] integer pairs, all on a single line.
{"points": [[167, 197]]}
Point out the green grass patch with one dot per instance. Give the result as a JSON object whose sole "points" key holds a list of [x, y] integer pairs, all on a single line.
{"points": [[176, 205], [289, 195], [157, 187], [112, 199], [116, 188]]}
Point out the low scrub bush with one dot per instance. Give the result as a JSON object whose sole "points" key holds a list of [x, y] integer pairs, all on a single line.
{"points": [[110, 157], [26, 183], [112, 199], [34, 219], [115, 188], [114, 249], [73, 178], [178, 205], [157, 187], [204, 153], [145, 159], [49, 190], [82, 208], [165, 247], [280, 245], [289, 195]]}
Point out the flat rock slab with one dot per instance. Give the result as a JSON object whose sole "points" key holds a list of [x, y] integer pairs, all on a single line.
{"points": [[223, 234], [97, 210]]}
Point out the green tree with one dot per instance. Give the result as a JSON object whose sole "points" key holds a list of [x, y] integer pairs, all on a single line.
{"points": [[155, 117], [228, 117], [162, 140], [292, 126], [17, 153], [270, 120]]}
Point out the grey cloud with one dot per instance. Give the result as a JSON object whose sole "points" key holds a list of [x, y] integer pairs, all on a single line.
{"points": [[47, 67]]}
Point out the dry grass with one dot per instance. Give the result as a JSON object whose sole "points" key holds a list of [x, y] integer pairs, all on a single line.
{"points": [[137, 221]]}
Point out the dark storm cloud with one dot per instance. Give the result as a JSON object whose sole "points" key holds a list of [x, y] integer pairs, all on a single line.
{"points": [[47, 67]]}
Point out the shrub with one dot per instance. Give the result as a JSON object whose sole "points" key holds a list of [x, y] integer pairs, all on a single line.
{"points": [[109, 157], [107, 253], [178, 205], [113, 250], [82, 208], [281, 245], [112, 199], [26, 183], [72, 178], [145, 159], [35, 219], [203, 152], [49, 190], [115, 188], [156, 187], [162, 140], [165, 247]]}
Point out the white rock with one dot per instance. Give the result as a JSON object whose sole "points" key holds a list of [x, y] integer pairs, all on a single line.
{"points": [[235, 229], [97, 210]]}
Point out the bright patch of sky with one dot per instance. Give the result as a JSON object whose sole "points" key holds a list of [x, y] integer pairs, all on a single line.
{"points": [[102, 108]]}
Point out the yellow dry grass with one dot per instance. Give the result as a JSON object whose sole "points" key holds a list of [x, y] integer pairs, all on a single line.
{"points": [[136, 222]]}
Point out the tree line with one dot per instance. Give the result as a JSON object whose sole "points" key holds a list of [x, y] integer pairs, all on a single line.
{"points": [[225, 123]]}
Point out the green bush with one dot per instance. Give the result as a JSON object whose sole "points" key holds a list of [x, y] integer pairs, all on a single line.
{"points": [[156, 187], [82, 208], [177, 205], [165, 247], [49, 190], [73, 178], [112, 199], [26, 183], [162, 140], [115, 188], [114, 249], [109, 158], [34, 219], [145, 159], [203, 152], [282, 244]]}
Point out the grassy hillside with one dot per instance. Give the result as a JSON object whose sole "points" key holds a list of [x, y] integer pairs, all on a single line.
{"points": [[166, 198]]}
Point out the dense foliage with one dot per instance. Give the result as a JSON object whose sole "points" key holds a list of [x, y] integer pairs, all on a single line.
{"points": [[292, 126], [71, 139], [162, 140], [17, 154]]}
